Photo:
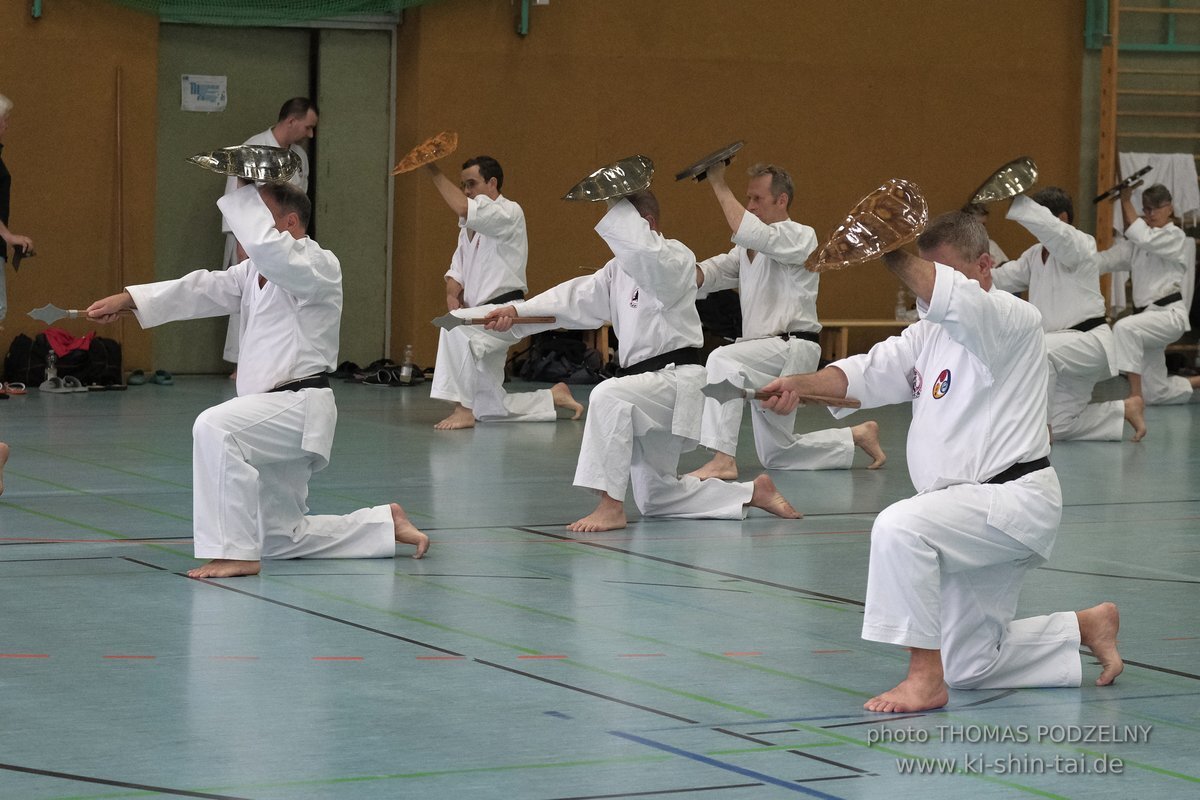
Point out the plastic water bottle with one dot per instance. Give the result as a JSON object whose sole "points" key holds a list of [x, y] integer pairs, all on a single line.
{"points": [[407, 367], [51, 365]]}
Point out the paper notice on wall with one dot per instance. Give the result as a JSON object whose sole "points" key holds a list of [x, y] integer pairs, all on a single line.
{"points": [[203, 92]]}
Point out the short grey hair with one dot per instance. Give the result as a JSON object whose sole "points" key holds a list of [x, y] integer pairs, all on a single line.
{"points": [[5, 106], [962, 231], [1156, 196], [780, 180]]}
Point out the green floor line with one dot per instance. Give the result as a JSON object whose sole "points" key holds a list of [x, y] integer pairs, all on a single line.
{"points": [[105, 497]]}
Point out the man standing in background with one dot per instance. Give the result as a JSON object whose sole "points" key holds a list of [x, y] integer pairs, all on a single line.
{"points": [[297, 122]]}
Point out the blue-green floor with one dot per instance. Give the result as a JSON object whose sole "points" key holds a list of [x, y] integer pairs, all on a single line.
{"points": [[676, 659]]}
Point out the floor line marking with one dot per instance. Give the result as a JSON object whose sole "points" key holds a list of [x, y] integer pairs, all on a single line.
{"points": [[695, 567], [123, 784], [712, 762]]}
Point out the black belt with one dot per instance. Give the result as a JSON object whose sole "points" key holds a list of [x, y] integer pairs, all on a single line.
{"points": [[515, 294], [1162, 301], [684, 355], [1088, 324], [809, 335], [1020, 470], [311, 382]]}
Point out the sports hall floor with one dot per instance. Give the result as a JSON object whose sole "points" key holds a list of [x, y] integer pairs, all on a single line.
{"points": [[675, 659]]}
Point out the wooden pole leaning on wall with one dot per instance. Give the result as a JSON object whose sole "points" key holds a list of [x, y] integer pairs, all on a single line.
{"points": [[1107, 158], [119, 206]]}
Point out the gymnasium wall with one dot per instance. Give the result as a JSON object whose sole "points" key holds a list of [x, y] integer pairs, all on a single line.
{"points": [[843, 93], [87, 203]]}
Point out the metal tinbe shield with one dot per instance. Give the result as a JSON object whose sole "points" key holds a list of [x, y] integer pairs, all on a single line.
{"points": [[625, 177], [253, 162], [1009, 181]]}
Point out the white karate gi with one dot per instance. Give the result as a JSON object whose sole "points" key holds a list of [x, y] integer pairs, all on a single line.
{"points": [[489, 261], [778, 296], [299, 178], [638, 425], [1158, 259], [1061, 277], [946, 565], [253, 455]]}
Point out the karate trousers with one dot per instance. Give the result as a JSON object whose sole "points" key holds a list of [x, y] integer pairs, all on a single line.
{"points": [[752, 364], [1141, 340], [250, 473], [1078, 361], [942, 577], [469, 370], [628, 439]]}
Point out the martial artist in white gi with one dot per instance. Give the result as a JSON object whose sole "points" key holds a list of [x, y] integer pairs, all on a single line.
{"points": [[488, 268], [1060, 275], [297, 122], [946, 565], [1155, 250], [780, 332], [642, 420], [253, 455]]}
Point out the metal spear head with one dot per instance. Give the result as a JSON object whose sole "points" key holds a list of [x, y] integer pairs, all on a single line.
{"points": [[448, 322], [725, 391], [51, 313]]}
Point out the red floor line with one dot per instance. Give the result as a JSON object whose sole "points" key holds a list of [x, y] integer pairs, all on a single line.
{"points": [[24, 655], [136, 658], [1179, 638], [337, 658], [641, 655], [823, 652]]}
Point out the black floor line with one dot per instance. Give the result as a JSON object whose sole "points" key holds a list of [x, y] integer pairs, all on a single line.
{"points": [[1123, 577], [123, 784], [696, 567]]}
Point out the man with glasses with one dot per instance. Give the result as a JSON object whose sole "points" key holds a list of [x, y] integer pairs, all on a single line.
{"points": [[1157, 253]]}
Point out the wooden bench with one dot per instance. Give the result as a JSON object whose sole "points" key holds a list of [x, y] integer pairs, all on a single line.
{"points": [[835, 334]]}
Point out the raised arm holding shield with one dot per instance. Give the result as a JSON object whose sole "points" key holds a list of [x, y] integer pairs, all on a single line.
{"points": [[946, 565]]}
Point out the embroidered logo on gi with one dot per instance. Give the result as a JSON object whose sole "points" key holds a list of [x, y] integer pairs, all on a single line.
{"points": [[941, 386], [917, 382], [633, 301]]}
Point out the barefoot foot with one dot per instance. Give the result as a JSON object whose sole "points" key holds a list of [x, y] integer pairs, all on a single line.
{"points": [[461, 417], [1098, 628], [3, 461], [407, 533], [722, 467], [866, 438], [768, 498], [564, 399], [1135, 415], [911, 694], [608, 516], [225, 568]]}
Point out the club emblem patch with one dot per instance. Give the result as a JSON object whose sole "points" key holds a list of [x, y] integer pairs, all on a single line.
{"points": [[917, 382], [941, 386]]}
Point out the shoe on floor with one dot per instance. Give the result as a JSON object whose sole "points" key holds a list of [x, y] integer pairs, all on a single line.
{"points": [[163, 378]]}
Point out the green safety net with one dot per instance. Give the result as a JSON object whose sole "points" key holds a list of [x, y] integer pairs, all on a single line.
{"points": [[264, 12]]}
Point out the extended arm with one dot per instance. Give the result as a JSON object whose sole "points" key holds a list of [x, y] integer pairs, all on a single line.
{"points": [[916, 273], [829, 382], [454, 196]]}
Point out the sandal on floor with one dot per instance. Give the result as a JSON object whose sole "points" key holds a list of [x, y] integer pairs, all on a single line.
{"points": [[136, 378], [163, 378], [73, 384], [16, 387], [54, 385]]}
